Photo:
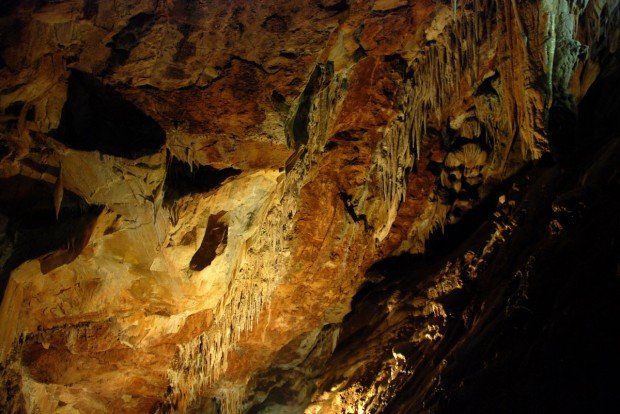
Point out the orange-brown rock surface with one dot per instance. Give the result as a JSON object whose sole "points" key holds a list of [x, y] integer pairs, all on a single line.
{"points": [[193, 191]]}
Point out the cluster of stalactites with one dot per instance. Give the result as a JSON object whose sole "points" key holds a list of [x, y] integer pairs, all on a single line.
{"points": [[435, 80], [230, 400], [201, 362], [450, 69]]}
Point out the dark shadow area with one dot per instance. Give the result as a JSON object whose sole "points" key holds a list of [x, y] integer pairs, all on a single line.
{"points": [[91, 8], [444, 240], [183, 179], [297, 133], [337, 7], [599, 110], [213, 243], [126, 39], [97, 118], [547, 309], [8, 6], [31, 229]]}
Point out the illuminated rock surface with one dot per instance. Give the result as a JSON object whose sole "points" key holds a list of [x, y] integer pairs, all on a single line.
{"points": [[324, 206]]}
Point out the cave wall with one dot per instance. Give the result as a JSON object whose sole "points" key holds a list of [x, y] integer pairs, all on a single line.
{"points": [[195, 194], [514, 309]]}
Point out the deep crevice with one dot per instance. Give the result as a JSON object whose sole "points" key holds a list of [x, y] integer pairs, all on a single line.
{"points": [[297, 133], [183, 179]]}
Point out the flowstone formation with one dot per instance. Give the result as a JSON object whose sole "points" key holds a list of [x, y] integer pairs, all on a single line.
{"points": [[194, 194]]}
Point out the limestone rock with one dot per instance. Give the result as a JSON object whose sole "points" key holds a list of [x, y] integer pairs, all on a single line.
{"points": [[198, 198]]}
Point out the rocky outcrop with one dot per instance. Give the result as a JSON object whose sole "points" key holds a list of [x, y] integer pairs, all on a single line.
{"points": [[194, 192]]}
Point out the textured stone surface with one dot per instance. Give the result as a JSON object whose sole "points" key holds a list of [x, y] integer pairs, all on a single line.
{"points": [[193, 192]]}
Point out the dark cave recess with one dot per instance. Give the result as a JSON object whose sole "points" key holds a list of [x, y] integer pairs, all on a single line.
{"points": [[32, 229], [97, 118], [183, 179]]}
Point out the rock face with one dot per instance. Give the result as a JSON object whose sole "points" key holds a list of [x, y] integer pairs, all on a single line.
{"points": [[321, 206]]}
